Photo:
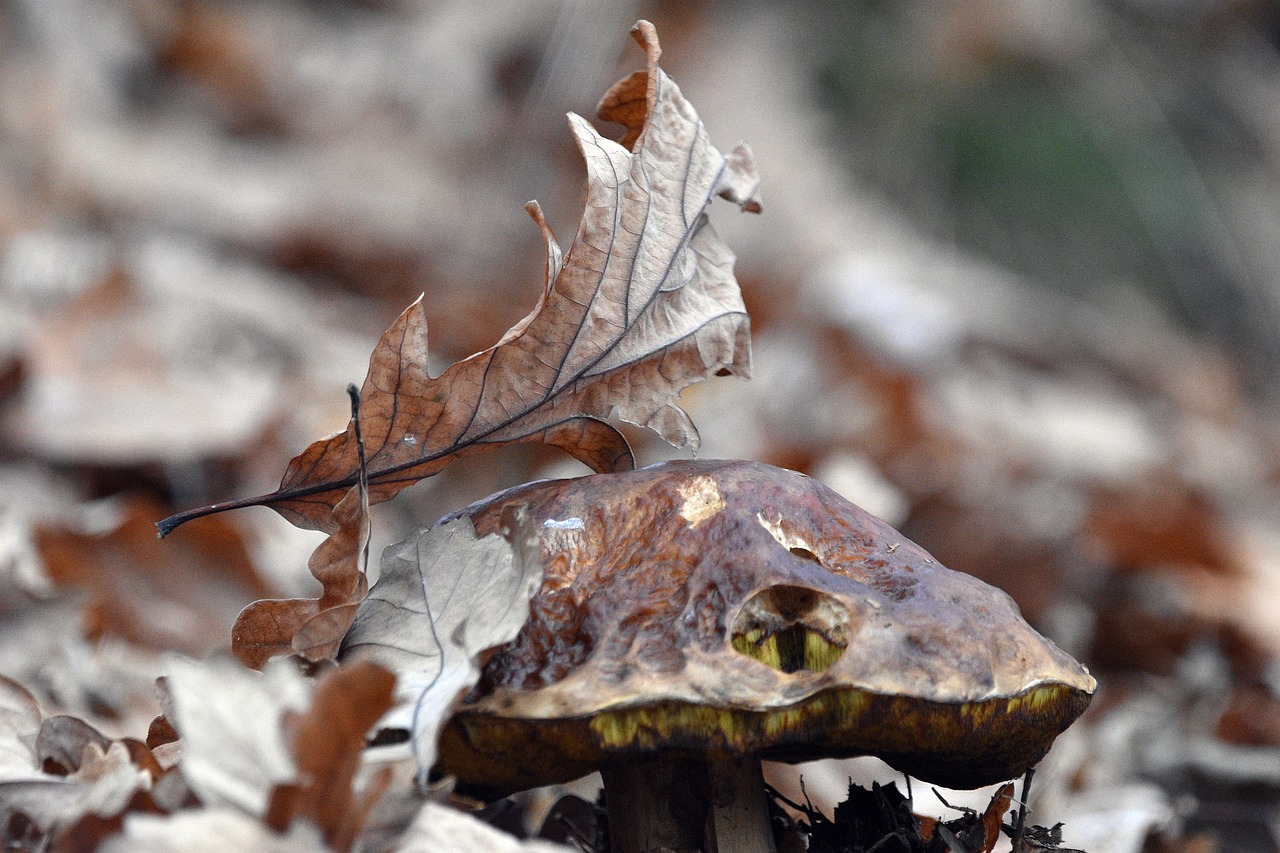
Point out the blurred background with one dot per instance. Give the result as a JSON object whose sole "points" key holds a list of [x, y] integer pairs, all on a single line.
{"points": [[1016, 289]]}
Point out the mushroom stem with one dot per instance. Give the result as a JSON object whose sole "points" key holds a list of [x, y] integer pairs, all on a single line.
{"points": [[739, 807], [655, 804], [687, 804]]}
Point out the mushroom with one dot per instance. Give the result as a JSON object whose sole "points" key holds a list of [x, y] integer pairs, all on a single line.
{"points": [[697, 616]]}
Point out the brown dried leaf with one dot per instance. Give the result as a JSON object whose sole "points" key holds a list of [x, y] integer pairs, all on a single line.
{"points": [[993, 815], [309, 627], [327, 741], [94, 781], [265, 629], [161, 732], [643, 305], [970, 831]]}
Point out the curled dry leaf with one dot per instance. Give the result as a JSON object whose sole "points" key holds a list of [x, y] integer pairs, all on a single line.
{"points": [[644, 304], [444, 598], [313, 628], [994, 814], [62, 741]]}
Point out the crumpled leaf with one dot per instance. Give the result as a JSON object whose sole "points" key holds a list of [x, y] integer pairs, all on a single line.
{"points": [[110, 784], [644, 304], [86, 783], [445, 597], [62, 741], [314, 628]]}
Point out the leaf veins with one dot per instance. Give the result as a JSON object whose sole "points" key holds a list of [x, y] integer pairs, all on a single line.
{"points": [[643, 305]]}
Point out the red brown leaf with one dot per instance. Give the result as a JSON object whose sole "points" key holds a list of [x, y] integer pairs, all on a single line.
{"points": [[160, 732], [644, 304], [314, 628], [994, 814], [327, 741], [265, 629]]}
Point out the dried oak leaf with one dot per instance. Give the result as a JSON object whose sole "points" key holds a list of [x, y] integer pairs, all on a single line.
{"points": [[643, 305]]}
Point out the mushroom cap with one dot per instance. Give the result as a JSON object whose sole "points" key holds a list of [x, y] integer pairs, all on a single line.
{"points": [[739, 608]]}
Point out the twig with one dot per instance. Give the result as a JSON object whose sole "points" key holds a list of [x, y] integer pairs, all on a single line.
{"points": [[1021, 820]]}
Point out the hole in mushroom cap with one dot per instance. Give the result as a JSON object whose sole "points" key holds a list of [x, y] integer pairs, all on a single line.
{"points": [[792, 629]]}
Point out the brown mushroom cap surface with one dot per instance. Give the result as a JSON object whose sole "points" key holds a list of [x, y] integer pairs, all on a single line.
{"points": [[738, 608]]}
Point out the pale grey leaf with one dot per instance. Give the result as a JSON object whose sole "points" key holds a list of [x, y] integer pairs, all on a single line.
{"points": [[233, 747], [444, 596]]}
